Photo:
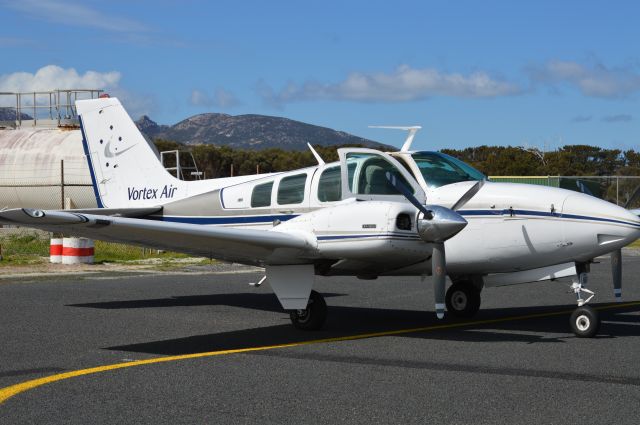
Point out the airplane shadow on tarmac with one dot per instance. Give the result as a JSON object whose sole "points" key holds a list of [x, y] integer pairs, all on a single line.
{"points": [[346, 321]]}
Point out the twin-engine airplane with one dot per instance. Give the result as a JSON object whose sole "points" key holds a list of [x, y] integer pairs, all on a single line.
{"points": [[370, 215]]}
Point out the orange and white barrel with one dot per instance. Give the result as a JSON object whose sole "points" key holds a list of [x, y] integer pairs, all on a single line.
{"points": [[87, 250], [77, 250], [55, 250]]}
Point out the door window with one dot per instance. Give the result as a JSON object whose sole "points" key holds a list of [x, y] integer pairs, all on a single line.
{"points": [[370, 175]]}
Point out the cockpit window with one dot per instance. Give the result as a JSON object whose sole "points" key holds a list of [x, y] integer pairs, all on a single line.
{"points": [[439, 169], [367, 175]]}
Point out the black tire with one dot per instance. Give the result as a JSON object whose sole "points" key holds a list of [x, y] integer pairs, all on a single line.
{"points": [[463, 300], [313, 317], [585, 322]]}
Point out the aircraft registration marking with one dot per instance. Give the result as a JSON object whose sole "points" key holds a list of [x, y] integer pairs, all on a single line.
{"points": [[13, 390]]}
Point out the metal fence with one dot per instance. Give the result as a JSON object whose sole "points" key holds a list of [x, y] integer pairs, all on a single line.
{"points": [[62, 185], [52, 108], [615, 189]]}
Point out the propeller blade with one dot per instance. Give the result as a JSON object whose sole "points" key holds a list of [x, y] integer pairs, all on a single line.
{"points": [[632, 198], [400, 187], [616, 273], [439, 273], [468, 195]]}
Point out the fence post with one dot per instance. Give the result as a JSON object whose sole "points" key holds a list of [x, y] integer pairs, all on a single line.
{"points": [[62, 184], [617, 191]]}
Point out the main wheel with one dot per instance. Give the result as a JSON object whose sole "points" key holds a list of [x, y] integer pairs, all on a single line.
{"points": [[312, 317], [463, 300], [585, 322]]}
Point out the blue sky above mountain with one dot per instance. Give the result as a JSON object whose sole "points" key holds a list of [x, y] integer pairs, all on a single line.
{"points": [[491, 72]]}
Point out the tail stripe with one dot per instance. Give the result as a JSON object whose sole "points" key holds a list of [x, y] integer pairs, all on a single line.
{"points": [[85, 146]]}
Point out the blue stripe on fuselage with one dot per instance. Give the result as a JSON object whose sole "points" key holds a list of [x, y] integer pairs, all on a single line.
{"points": [[250, 219], [85, 146], [543, 214]]}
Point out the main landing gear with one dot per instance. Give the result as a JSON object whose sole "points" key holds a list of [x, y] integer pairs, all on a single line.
{"points": [[463, 299], [584, 321], [312, 317]]}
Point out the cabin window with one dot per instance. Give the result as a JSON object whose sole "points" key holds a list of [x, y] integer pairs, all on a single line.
{"points": [[261, 195], [330, 185], [371, 175], [291, 189]]}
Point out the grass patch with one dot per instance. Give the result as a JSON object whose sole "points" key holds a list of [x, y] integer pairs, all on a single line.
{"points": [[32, 247], [634, 244]]}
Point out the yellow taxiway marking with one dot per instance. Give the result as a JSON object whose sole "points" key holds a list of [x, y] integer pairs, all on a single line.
{"points": [[10, 391]]}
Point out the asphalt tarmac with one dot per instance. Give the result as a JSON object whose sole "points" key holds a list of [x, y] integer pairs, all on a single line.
{"points": [[206, 348]]}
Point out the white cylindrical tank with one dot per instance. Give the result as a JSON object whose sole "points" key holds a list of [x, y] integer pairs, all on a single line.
{"points": [[31, 173]]}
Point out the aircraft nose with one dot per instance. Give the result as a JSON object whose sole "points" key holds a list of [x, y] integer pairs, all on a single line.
{"points": [[614, 225]]}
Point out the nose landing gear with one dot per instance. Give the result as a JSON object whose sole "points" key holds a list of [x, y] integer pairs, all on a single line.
{"points": [[584, 321]]}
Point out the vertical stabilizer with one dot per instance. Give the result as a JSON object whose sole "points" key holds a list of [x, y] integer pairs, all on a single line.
{"points": [[125, 170]]}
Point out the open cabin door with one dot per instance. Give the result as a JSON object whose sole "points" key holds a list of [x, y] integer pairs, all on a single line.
{"points": [[364, 175]]}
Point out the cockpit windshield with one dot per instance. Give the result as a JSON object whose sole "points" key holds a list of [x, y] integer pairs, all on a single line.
{"points": [[439, 169]]}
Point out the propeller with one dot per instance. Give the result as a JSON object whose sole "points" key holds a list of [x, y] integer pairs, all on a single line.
{"points": [[437, 224], [616, 273], [616, 256]]}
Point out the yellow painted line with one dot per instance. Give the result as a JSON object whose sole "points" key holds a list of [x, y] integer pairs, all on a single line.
{"points": [[10, 391]]}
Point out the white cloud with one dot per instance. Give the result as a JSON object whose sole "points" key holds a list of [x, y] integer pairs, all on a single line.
{"points": [[403, 84], [617, 118], [74, 14], [52, 77], [582, 118], [200, 98], [221, 98], [225, 99], [595, 80]]}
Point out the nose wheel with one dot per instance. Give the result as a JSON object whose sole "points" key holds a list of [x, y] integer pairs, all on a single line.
{"points": [[463, 299], [585, 321], [313, 317]]}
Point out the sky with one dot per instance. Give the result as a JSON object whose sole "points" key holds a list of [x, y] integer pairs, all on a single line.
{"points": [[522, 73]]}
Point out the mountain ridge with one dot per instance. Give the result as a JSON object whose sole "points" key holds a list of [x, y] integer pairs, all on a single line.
{"points": [[250, 131]]}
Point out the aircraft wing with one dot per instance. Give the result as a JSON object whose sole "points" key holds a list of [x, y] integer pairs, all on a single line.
{"points": [[247, 246]]}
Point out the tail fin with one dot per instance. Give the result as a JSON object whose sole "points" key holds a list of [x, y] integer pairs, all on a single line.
{"points": [[124, 168]]}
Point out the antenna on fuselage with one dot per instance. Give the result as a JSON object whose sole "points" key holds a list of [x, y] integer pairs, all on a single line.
{"points": [[316, 154], [413, 129]]}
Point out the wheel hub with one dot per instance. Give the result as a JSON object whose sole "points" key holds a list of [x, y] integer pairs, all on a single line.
{"points": [[582, 323], [459, 300]]}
